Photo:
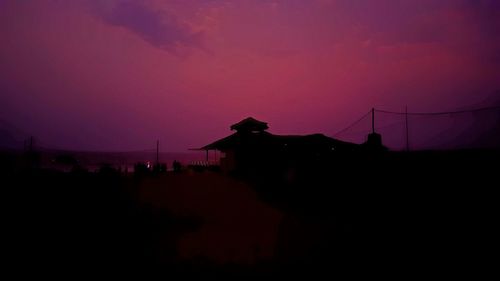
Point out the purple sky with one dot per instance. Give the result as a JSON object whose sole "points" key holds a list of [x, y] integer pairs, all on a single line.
{"points": [[117, 75]]}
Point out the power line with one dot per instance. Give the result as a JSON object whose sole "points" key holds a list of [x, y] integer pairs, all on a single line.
{"points": [[414, 113], [353, 124], [369, 130], [439, 113]]}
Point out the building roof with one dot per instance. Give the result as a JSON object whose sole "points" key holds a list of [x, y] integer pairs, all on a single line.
{"points": [[250, 124], [312, 142], [233, 140], [251, 132]]}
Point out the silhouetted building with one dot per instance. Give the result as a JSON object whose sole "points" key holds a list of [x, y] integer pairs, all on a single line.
{"points": [[374, 143], [251, 147]]}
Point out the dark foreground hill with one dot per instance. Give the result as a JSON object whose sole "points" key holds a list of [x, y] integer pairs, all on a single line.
{"points": [[394, 216]]}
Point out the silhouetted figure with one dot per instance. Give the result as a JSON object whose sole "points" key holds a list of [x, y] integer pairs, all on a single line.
{"points": [[177, 167]]}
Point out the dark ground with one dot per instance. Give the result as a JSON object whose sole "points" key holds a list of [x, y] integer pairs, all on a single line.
{"points": [[427, 215]]}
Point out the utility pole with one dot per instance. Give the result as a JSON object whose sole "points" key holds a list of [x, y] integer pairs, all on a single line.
{"points": [[373, 120], [407, 131]]}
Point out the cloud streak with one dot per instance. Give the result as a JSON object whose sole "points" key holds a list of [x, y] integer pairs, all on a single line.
{"points": [[156, 27]]}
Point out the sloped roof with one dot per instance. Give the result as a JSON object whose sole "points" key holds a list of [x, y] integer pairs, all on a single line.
{"points": [[250, 124], [314, 141], [252, 132], [236, 138]]}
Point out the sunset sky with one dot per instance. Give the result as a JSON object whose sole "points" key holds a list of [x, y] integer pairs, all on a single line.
{"points": [[118, 75]]}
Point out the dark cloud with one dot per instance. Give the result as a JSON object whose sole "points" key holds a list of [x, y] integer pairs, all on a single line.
{"points": [[156, 27]]}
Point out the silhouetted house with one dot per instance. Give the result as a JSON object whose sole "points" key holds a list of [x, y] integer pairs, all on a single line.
{"points": [[251, 147]]}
